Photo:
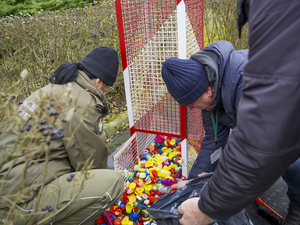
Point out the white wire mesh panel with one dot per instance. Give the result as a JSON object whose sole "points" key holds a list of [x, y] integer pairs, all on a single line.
{"points": [[195, 135], [194, 26], [194, 39], [127, 156], [150, 36]]}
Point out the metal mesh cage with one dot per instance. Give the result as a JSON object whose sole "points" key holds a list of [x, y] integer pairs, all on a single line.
{"points": [[195, 135], [127, 156], [151, 31], [150, 38]]}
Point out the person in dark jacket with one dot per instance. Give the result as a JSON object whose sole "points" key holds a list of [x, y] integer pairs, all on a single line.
{"points": [[216, 72], [265, 141], [62, 200]]}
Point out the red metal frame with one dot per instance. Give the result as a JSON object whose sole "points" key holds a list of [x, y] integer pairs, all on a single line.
{"points": [[272, 210], [121, 34], [183, 119], [182, 109]]}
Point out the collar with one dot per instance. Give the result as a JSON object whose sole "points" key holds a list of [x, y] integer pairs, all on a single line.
{"points": [[85, 82]]}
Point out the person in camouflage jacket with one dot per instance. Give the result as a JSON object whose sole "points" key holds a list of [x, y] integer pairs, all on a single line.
{"points": [[87, 81]]}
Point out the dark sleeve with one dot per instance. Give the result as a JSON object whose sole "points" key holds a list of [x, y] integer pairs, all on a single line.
{"points": [[239, 90], [242, 14], [266, 138], [209, 146]]}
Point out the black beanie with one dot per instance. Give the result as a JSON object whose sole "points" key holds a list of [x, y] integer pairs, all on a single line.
{"points": [[103, 63], [186, 79]]}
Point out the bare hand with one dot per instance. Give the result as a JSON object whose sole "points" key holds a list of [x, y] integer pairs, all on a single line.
{"points": [[179, 185], [201, 174], [191, 214]]}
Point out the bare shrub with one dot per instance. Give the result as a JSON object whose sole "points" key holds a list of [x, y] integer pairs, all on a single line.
{"points": [[220, 23], [36, 128], [43, 41]]}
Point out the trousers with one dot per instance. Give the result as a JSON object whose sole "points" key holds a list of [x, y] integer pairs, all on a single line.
{"points": [[292, 178], [71, 202]]}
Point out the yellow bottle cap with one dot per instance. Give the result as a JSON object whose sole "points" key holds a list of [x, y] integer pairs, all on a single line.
{"points": [[172, 142], [159, 162], [129, 207], [125, 220], [157, 158], [171, 178], [171, 155], [166, 168], [149, 164], [148, 187], [132, 185], [164, 173], [164, 149], [132, 198], [173, 165]]}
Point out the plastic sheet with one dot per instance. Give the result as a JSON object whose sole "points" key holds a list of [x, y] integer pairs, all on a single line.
{"points": [[165, 209]]}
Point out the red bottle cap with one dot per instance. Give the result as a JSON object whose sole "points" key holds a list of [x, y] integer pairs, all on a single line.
{"points": [[100, 220], [154, 173]]}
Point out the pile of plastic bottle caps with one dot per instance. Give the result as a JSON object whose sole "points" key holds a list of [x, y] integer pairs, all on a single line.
{"points": [[158, 168]]}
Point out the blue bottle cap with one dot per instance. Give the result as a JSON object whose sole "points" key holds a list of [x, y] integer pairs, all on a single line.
{"points": [[134, 216], [180, 171], [143, 205]]}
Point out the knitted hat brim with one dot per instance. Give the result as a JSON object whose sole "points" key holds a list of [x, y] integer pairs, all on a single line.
{"points": [[101, 72], [194, 94], [186, 80]]}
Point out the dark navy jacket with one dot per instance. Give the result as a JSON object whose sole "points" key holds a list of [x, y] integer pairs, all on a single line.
{"points": [[265, 140], [230, 70]]}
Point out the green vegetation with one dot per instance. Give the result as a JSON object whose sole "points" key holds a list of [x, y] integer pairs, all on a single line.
{"points": [[43, 41], [220, 23], [39, 43], [20, 7]]}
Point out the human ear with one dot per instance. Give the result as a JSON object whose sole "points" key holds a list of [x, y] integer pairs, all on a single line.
{"points": [[96, 81], [208, 91]]}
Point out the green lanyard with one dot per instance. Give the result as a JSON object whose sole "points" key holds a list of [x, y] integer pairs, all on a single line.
{"points": [[215, 124]]}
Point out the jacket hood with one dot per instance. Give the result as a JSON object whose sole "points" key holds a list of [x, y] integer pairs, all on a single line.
{"points": [[223, 49], [215, 63]]}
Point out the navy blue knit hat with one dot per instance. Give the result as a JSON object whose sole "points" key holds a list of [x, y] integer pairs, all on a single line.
{"points": [[103, 63], [186, 79]]}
